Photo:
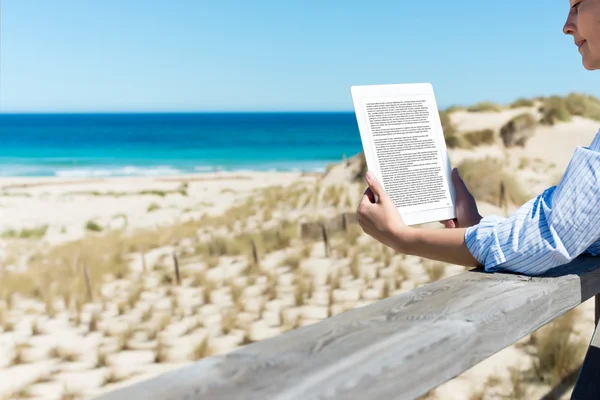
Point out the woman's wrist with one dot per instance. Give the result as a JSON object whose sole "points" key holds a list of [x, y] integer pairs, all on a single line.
{"points": [[447, 245], [403, 238]]}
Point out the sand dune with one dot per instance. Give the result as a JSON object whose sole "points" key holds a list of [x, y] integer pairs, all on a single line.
{"points": [[59, 338]]}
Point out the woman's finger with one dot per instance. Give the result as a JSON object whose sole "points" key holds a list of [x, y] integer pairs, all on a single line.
{"points": [[449, 223]]}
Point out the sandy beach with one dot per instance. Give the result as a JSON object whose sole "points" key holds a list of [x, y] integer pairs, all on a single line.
{"points": [[90, 299]]}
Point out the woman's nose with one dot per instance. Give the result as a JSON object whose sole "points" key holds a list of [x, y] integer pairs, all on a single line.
{"points": [[570, 27]]}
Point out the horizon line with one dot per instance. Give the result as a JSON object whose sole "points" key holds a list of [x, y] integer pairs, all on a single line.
{"points": [[175, 112]]}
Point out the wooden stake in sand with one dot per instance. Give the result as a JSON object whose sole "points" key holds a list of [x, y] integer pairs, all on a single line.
{"points": [[254, 252], [502, 203], [88, 283], [325, 239], [176, 265]]}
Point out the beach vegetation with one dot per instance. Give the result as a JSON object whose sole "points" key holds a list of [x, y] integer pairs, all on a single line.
{"points": [[554, 109], [484, 177], [26, 233], [479, 137], [523, 163], [111, 377], [434, 270], [558, 350], [93, 226], [19, 353], [25, 392], [518, 391], [455, 108], [153, 207], [518, 130], [362, 167], [521, 102], [15, 194], [485, 106], [583, 105], [201, 350], [447, 125]]}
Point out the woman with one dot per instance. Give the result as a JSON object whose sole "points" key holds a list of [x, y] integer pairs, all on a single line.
{"points": [[550, 230]]}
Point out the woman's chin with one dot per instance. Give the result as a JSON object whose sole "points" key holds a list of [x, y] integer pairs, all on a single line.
{"points": [[589, 64]]}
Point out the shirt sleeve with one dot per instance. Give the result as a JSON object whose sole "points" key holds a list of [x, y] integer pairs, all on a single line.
{"points": [[549, 230]]}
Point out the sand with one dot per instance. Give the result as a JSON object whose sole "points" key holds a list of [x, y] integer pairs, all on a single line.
{"points": [[142, 323]]}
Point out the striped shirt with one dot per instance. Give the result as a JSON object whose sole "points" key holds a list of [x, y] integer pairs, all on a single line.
{"points": [[549, 230]]}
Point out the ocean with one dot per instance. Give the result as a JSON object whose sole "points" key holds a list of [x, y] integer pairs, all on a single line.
{"points": [[104, 145]]}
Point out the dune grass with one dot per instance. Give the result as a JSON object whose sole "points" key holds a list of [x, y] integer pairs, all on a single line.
{"points": [[485, 106], [554, 110], [558, 351], [518, 130], [483, 178], [521, 102], [27, 233]]}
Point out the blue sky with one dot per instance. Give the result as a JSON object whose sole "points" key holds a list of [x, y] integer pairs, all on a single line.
{"points": [[197, 55]]}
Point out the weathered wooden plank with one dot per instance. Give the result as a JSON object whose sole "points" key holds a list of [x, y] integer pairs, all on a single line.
{"points": [[400, 347], [587, 385]]}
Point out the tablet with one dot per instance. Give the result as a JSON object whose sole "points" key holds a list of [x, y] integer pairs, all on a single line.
{"points": [[404, 147]]}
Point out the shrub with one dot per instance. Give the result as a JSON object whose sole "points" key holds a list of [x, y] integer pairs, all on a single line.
{"points": [[583, 105], [558, 353], [447, 126], [362, 167], [518, 130], [522, 102], [476, 138], [485, 106], [93, 226], [153, 207], [554, 110], [483, 178], [453, 142], [454, 108]]}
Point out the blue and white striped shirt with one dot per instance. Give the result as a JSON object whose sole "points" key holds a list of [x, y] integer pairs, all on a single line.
{"points": [[550, 230]]}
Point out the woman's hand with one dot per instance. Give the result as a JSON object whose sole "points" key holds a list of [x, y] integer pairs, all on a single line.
{"points": [[380, 220], [466, 207]]}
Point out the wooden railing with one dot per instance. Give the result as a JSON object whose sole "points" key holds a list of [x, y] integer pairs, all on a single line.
{"points": [[397, 348]]}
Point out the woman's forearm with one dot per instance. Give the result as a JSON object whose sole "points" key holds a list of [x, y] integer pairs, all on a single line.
{"points": [[447, 245]]}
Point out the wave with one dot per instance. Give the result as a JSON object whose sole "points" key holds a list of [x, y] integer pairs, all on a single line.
{"points": [[118, 171], [101, 171]]}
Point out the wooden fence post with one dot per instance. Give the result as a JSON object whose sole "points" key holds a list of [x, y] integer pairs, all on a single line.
{"points": [[254, 252], [503, 201], [325, 239], [176, 265], [88, 283]]}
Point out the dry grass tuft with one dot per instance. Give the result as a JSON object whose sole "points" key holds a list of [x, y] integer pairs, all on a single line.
{"points": [[355, 265], [19, 353], [229, 321], [518, 389], [483, 178], [161, 352], [434, 270], [485, 106], [101, 358], [111, 377], [201, 350], [36, 328], [559, 350]]}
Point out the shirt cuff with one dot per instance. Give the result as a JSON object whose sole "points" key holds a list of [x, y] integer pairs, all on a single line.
{"points": [[483, 243]]}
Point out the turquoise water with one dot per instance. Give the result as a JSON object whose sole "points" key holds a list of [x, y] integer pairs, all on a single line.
{"points": [[101, 145]]}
